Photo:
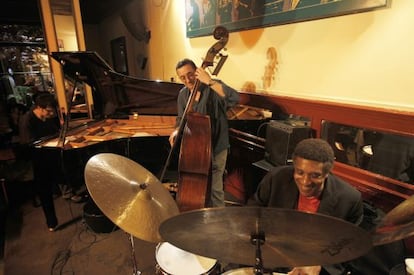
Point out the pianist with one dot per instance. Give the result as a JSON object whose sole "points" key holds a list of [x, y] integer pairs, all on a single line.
{"points": [[39, 122]]}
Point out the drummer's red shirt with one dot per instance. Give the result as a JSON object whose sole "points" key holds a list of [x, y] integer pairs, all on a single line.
{"points": [[308, 204]]}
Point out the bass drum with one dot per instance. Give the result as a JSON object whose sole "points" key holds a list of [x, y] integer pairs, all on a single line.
{"points": [[172, 260], [246, 271]]}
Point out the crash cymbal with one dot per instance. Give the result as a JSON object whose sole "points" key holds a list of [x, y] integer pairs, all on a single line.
{"points": [[129, 195], [291, 238], [396, 224]]}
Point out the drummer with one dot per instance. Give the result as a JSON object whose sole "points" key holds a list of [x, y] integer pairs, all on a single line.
{"points": [[308, 185]]}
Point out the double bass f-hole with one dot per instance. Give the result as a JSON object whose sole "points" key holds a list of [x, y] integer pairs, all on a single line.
{"points": [[221, 34]]}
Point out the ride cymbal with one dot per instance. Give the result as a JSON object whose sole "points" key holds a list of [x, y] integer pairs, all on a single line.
{"points": [[129, 195], [290, 238], [396, 224]]}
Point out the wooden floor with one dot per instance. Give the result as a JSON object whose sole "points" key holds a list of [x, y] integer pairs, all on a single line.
{"points": [[78, 246], [73, 249]]}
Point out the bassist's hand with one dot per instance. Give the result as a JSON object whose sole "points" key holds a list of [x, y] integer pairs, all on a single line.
{"points": [[202, 76], [171, 139]]}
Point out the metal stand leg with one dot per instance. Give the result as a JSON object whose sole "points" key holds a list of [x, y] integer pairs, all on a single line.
{"points": [[258, 239], [135, 270]]}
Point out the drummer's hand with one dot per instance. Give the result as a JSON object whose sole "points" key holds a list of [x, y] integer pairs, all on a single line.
{"points": [[306, 270], [172, 137]]}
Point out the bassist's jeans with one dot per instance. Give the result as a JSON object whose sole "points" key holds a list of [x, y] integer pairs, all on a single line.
{"points": [[217, 190]]}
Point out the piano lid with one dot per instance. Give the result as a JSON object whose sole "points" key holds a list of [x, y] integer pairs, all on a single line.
{"points": [[114, 94]]}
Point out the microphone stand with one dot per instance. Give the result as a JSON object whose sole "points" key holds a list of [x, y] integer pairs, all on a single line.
{"points": [[135, 270]]}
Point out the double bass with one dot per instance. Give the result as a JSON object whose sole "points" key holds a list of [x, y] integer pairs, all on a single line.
{"points": [[194, 132]]}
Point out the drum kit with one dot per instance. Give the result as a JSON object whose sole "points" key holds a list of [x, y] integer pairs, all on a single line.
{"points": [[258, 237]]}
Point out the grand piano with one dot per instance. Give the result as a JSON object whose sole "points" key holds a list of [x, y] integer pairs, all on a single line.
{"points": [[129, 116]]}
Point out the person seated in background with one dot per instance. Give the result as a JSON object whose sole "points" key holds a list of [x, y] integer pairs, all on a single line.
{"points": [[393, 156], [309, 186], [15, 112]]}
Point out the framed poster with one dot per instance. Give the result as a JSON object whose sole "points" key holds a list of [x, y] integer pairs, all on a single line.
{"points": [[203, 15], [119, 55]]}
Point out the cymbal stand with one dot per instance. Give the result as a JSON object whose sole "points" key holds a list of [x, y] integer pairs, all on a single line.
{"points": [[135, 270], [258, 239], [134, 262]]}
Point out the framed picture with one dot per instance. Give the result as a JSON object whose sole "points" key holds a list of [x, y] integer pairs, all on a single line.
{"points": [[202, 16], [119, 55]]}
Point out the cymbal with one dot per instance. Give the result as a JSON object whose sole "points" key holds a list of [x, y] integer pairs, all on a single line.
{"points": [[292, 238], [396, 224], [129, 195]]}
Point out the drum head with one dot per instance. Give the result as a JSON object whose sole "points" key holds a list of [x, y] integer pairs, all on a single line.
{"points": [[174, 260], [246, 271], [240, 271]]}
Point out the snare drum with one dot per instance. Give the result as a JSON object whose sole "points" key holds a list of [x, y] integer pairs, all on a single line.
{"points": [[246, 271], [172, 260]]}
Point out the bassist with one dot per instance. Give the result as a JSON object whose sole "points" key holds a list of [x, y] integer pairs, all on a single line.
{"points": [[212, 98]]}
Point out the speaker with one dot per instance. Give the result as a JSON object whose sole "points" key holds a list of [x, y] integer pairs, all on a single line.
{"points": [[96, 220], [281, 139]]}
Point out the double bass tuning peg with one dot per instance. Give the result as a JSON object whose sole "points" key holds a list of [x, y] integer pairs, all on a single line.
{"points": [[220, 64]]}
